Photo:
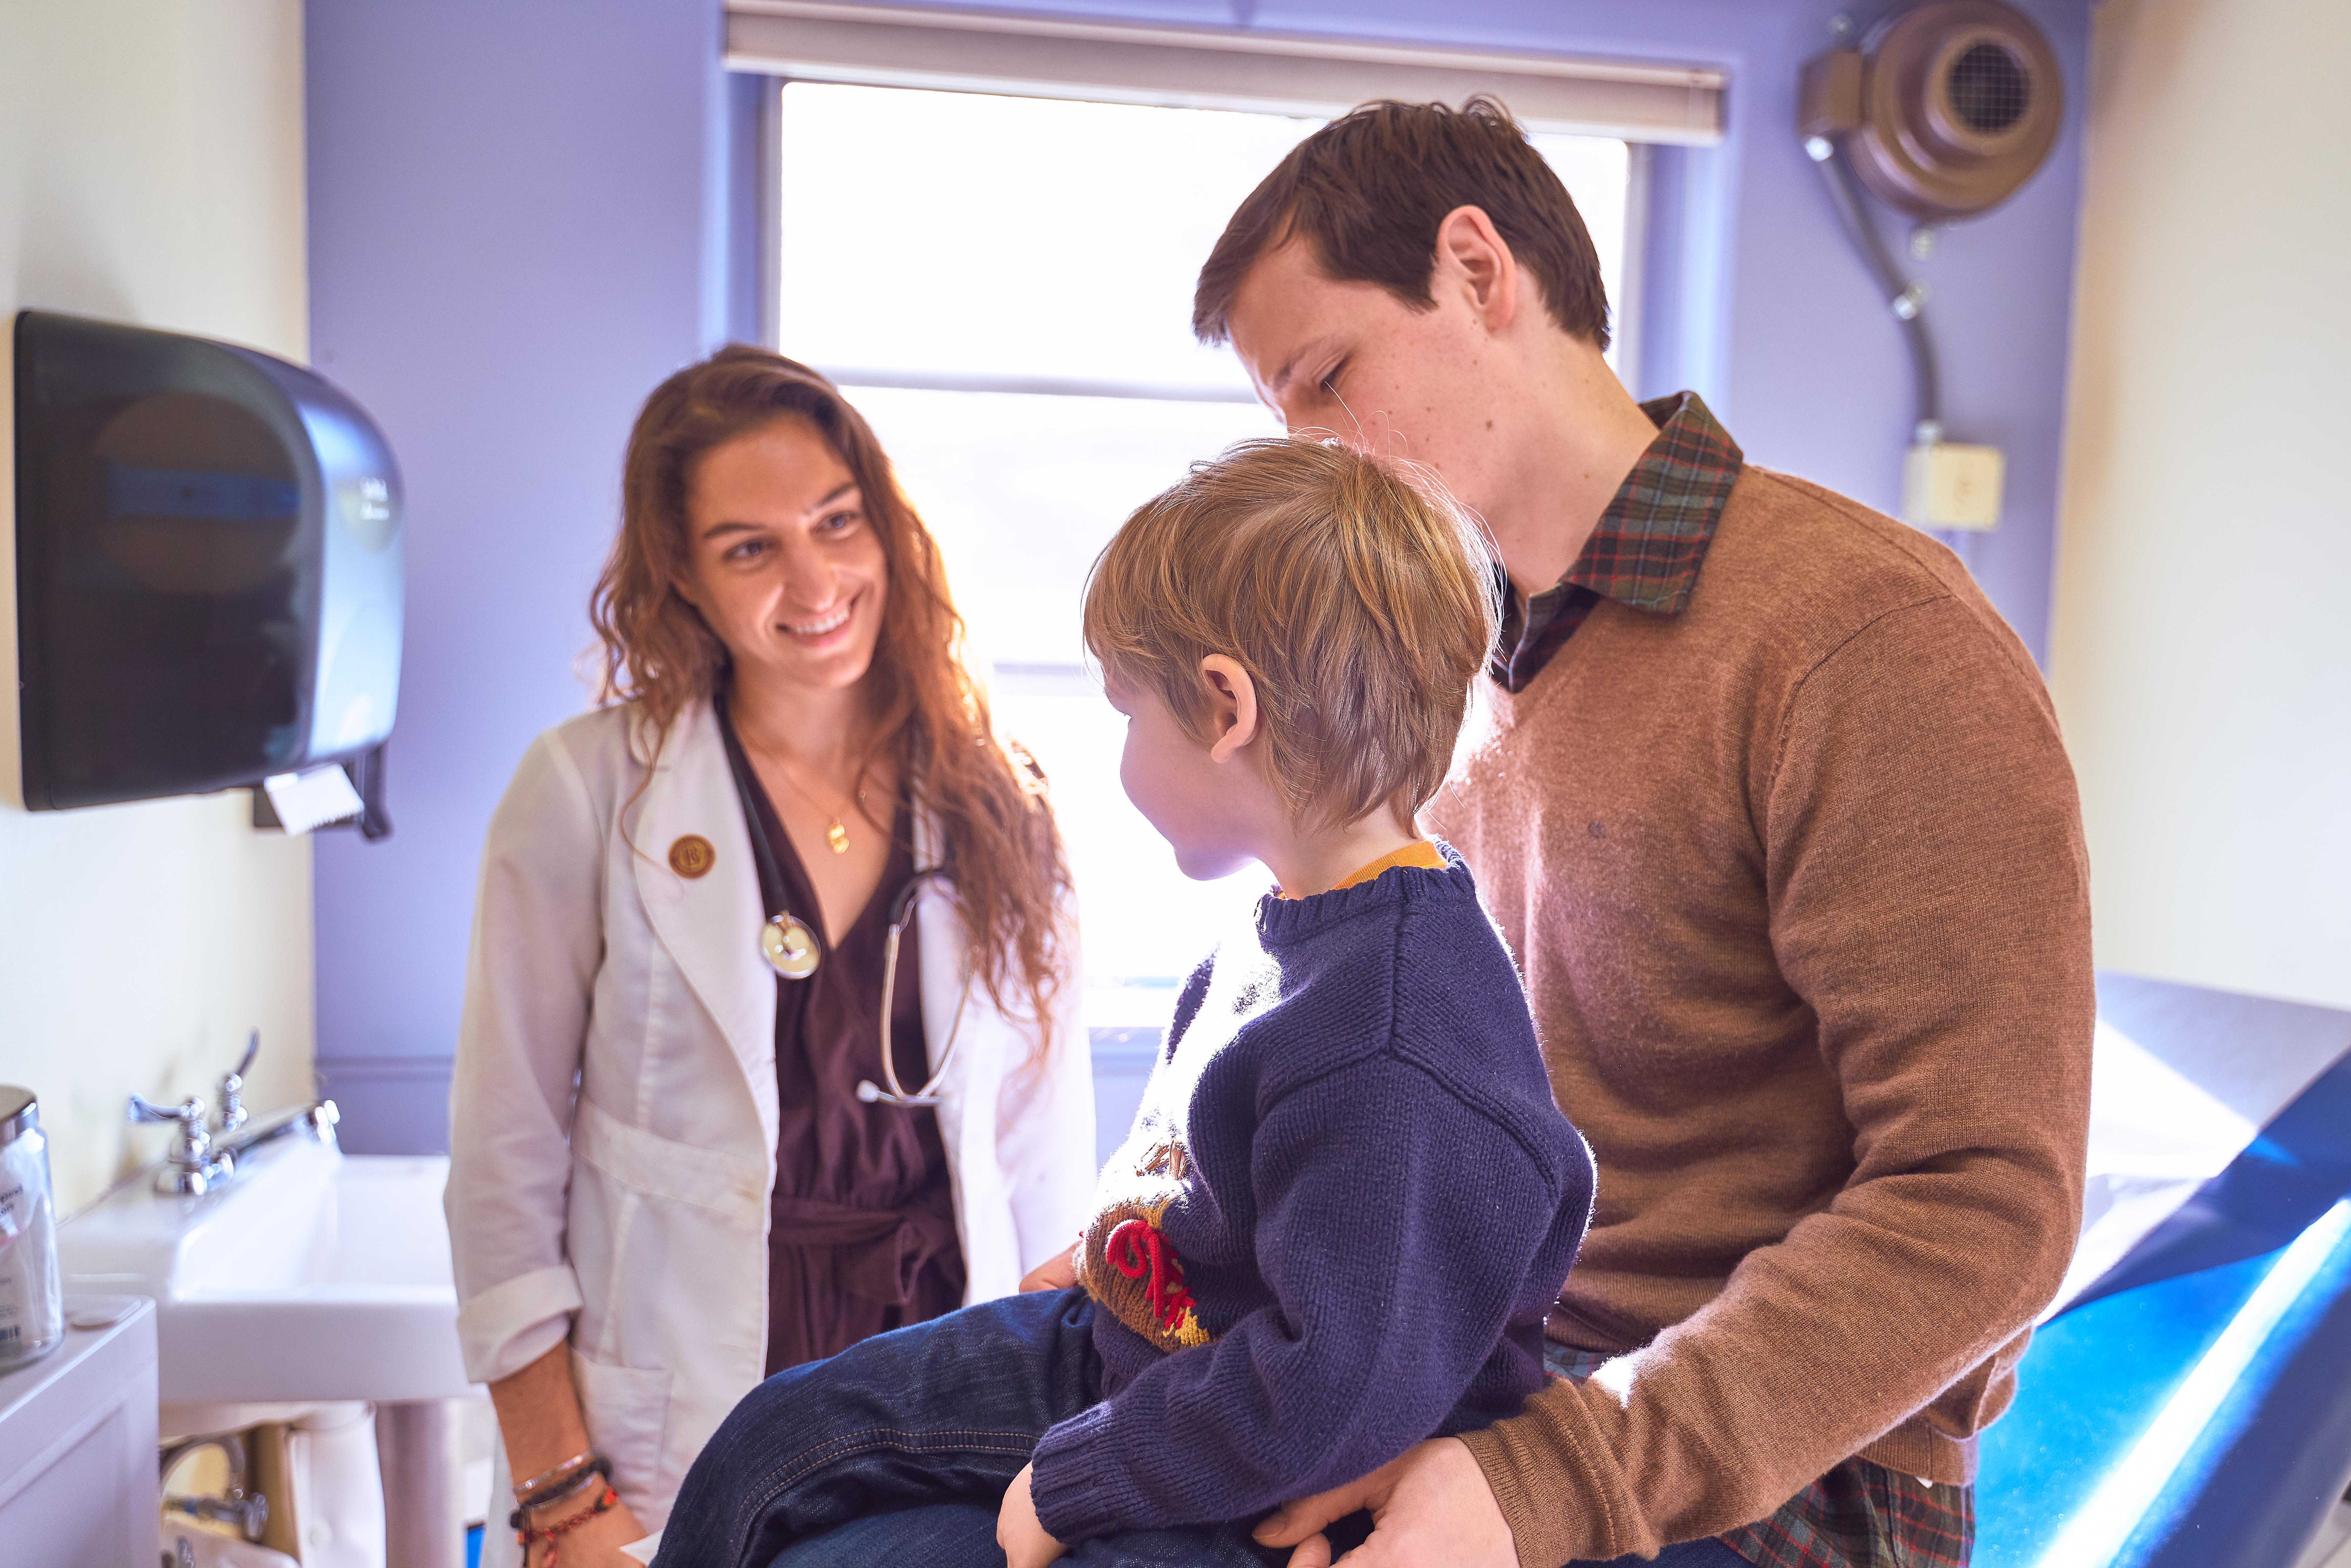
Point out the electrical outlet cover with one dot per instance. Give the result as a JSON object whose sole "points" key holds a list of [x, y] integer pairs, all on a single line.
{"points": [[1945, 485]]}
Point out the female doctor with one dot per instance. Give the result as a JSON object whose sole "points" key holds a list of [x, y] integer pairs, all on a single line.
{"points": [[770, 1039]]}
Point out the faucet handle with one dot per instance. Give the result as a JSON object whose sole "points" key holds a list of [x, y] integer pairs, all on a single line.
{"points": [[188, 1113], [190, 1166], [232, 1101]]}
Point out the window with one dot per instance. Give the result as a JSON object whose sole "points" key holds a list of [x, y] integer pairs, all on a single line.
{"points": [[1003, 287]]}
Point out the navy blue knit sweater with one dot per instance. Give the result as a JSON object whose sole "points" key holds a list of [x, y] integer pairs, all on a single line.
{"points": [[1346, 1207]]}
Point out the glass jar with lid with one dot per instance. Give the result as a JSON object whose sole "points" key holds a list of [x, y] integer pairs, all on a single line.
{"points": [[31, 1309]]}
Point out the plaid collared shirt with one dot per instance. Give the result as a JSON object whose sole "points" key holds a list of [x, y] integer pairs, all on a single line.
{"points": [[1859, 1515], [1648, 546], [1645, 552]]}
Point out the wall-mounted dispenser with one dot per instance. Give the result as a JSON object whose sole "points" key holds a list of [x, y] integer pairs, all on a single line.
{"points": [[1942, 111], [208, 565]]}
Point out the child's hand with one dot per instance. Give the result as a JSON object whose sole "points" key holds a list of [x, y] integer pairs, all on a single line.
{"points": [[1025, 1542], [1058, 1272]]}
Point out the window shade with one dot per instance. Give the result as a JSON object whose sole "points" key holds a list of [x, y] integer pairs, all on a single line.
{"points": [[808, 40]]}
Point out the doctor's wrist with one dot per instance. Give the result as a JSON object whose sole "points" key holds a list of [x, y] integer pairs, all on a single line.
{"points": [[555, 1478], [572, 1488], [585, 1520]]}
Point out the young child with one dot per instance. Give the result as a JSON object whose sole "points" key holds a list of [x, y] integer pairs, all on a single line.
{"points": [[1348, 1200]]}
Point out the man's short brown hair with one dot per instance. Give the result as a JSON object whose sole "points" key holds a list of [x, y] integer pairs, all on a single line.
{"points": [[1359, 598], [1368, 191]]}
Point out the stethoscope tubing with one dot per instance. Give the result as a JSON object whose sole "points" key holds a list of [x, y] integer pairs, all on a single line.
{"points": [[871, 1092], [901, 910]]}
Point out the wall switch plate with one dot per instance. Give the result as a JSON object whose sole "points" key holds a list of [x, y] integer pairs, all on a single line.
{"points": [[1945, 485]]}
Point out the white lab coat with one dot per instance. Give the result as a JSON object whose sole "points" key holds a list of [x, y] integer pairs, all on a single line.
{"points": [[632, 1216]]}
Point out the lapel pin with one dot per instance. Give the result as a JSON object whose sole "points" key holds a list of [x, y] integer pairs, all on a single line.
{"points": [[692, 855]]}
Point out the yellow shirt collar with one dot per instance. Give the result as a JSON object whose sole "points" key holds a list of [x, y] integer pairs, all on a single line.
{"points": [[1419, 852]]}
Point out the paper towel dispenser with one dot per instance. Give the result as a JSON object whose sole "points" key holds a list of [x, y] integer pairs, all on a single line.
{"points": [[208, 565]]}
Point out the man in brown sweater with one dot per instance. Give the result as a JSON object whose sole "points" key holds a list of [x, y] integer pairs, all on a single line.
{"points": [[1774, 813]]}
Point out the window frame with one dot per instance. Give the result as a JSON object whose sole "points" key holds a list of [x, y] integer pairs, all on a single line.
{"points": [[1186, 68]]}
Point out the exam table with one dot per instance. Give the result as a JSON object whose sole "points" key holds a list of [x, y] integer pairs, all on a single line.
{"points": [[2188, 1402]]}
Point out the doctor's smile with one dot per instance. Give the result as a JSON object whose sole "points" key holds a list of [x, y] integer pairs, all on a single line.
{"points": [[817, 629]]}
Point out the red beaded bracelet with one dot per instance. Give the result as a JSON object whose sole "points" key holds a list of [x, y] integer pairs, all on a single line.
{"points": [[528, 1536]]}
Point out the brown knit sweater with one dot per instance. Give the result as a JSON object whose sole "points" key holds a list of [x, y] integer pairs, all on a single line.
{"points": [[1797, 880]]}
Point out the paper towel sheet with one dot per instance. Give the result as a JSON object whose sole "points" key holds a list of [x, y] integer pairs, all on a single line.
{"points": [[313, 798]]}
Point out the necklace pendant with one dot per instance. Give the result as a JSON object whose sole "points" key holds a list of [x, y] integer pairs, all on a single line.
{"points": [[837, 836]]}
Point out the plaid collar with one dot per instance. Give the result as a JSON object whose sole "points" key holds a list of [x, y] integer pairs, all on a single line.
{"points": [[1647, 547]]}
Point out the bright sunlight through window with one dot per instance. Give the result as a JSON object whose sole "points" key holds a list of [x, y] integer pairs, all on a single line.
{"points": [[1003, 287]]}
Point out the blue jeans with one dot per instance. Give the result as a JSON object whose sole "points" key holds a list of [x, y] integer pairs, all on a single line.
{"points": [[898, 1451], [963, 1535]]}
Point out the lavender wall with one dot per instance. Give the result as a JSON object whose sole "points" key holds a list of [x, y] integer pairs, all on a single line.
{"points": [[517, 228], [518, 222]]}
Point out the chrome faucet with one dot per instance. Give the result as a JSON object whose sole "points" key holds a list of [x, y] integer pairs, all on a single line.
{"points": [[201, 1158], [191, 1167], [317, 1119]]}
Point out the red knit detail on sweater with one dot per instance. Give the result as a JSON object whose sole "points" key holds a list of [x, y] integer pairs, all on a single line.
{"points": [[1135, 1247]]}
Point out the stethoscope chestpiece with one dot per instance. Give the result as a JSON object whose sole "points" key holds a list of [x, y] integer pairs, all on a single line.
{"points": [[790, 947]]}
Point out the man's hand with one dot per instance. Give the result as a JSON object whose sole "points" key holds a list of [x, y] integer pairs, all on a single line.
{"points": [[1058, 1272], [1431, 1506], [1025, 1542]]}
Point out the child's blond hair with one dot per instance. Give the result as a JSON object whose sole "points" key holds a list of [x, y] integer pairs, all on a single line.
{"points": [[1362, 600]]}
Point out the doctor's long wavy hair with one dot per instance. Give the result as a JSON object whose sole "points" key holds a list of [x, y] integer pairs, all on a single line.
{"points": [[1002, 848]]}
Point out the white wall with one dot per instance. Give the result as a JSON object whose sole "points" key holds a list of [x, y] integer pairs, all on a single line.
{"points": [[151, 171], [2202, 656]]}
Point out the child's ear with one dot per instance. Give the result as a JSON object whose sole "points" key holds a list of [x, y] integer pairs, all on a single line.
{"points": [[1232, 706]]}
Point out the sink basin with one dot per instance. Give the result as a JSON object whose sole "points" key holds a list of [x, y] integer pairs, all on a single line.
{"points": [[315, 1275]]}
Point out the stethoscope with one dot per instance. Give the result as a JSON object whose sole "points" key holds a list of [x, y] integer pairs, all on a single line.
{"points": [[792, 950]]}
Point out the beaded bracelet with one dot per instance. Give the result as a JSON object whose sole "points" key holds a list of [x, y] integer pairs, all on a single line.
{"points": [[552, 1534], [563, 1471], [571, 1486]]}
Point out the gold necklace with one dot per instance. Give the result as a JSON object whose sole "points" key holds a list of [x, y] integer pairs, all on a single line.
{"points": [[836, 831]]}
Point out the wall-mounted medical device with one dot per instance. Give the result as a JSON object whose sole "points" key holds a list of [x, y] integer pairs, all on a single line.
{"points": [[1941, 111], [208, 567]]}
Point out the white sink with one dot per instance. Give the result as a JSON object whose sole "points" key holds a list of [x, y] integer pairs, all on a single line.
{"points": [[314, 1275]]}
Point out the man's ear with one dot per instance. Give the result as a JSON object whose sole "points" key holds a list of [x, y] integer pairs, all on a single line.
{"points": [[1473, 257], [1232, 706]]}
